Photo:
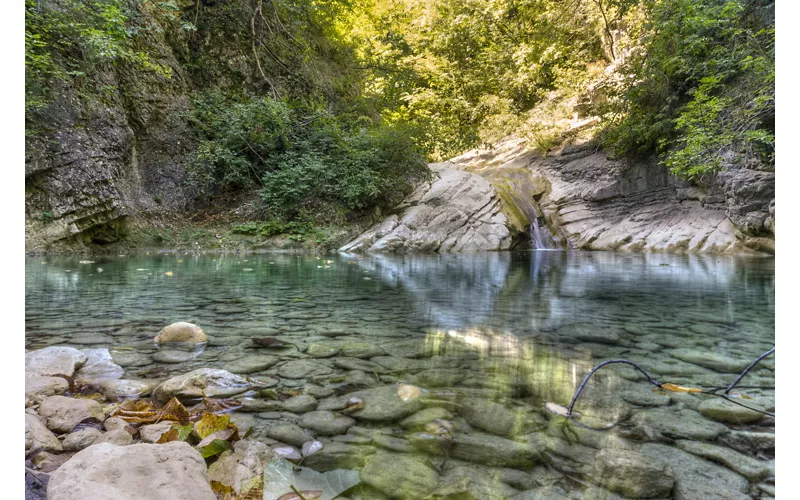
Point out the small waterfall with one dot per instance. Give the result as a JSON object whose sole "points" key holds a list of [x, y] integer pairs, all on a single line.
{"points": [[540, 236]]}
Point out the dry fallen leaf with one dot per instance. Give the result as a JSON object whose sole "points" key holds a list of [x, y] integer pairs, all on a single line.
{"points": [[678, 388]]}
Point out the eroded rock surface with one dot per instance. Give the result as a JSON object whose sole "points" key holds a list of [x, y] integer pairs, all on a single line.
{"points": [[459, 211], [159, 471]]}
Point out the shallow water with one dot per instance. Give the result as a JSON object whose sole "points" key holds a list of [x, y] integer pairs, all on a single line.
{"points": [[505, 332]]}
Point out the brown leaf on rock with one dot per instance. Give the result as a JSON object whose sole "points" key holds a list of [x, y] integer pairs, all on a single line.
{"points": [[170, 435]]}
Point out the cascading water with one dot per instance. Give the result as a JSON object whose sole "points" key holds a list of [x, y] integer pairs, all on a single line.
{"points": [[540, 237]]}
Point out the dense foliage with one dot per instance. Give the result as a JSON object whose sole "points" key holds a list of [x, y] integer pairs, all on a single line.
{"points": [[307, 162], [700, 86], [327, 106]]}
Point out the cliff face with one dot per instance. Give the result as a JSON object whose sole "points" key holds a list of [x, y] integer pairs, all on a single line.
{"points": [[579, 198], [94, 160]]}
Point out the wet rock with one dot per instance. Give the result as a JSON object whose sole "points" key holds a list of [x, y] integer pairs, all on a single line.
{"points": [[359, 364], [472, 487], [493, 450], [238, 468], [62, 413], [697, 478], [251, 364], [172, 470], [334, 403], [289, 433], [399, 476], [119, 437], [362, 350], [544, 493], [54, 360], [723, 411], [38, 388], [38, 436], [587, 332], [181, 332], [120, 389], [644, 395], [337, 455], [128, 358], [317, 391], [750, 442], [326, 423], [392, 443], [204, 381], [492, 417], [711, 360], [752, 469], [153, 432], [677, 424], [422, 417], [174, 356], [632, 474], [302, 369], [76, 441], [391, 402], [99, 366], [259, 405], [322, 351], [300, 404]]}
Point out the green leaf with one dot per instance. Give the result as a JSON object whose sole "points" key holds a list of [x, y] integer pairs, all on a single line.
{"points": [[214, 448]]}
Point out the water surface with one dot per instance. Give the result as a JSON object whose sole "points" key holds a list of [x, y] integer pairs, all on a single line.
{"points": [[511, 329]]}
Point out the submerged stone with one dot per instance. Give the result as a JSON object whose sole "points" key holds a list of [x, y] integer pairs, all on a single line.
{"points": [[632, 474], [391, 402], [696, 477], [181, 332], [399, 476], [326, 423], [207, 382], [725, 411]]}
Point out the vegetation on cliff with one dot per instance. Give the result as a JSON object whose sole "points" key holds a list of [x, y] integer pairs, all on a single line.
{"points": [[328, 108]]}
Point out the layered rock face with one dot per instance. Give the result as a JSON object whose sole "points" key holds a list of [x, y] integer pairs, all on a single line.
{"points": [[579, 198], [458, 211]]}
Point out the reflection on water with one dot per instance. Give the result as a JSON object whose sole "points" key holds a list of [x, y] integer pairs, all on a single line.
{"points": [[489, 338]]}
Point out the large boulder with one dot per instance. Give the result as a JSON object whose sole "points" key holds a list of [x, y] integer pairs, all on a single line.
{"points": [[181, 332], [54, 360], [170, 471], [210, 382], [62, 413], [47, 370]]}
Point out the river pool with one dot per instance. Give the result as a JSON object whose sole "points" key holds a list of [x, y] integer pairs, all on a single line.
{"points": [[488, 339]]}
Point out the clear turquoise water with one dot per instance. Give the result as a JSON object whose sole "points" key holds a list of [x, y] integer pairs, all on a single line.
{"points": [[518, 328]]}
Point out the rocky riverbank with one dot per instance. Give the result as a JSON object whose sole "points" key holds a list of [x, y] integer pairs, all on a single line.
{"points": [[577, 197], [404, 420]]}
